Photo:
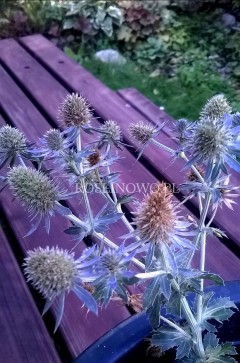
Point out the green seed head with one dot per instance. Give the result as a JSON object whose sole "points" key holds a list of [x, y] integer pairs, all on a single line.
{"points": [[51, 271], [54, 140], [11, 139], [33, 188], [216, 107], [75, 111]]}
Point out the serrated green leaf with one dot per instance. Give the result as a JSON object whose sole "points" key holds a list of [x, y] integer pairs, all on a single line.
{"points": [[219, 309], [211, 340], [168, 337]]}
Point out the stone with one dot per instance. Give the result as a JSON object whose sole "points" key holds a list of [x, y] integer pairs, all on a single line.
{"points": [[229, 20], [110, 56]]}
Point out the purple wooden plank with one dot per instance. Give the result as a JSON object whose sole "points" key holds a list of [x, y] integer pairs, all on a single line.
{"points": [[24, 337], [137, 172], [132, 171], [76, 326], [106, 102], [225, 218], [1, 119]]}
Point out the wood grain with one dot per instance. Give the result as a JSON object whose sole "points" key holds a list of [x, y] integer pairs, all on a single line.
{"points": [[24, 337], [106, 102], [80, 80]]}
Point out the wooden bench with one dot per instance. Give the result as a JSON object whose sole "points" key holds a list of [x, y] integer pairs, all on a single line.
{"points": [[35, 77]]}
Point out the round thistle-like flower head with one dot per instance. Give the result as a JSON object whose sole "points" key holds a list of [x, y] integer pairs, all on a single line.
{"points": [[216, 107], [142, 132], [155, 218], [111, 261], [33, 188], [51, 271], [11, 139], [112, 129], [54, 140], [75, 111], [211, 138]]}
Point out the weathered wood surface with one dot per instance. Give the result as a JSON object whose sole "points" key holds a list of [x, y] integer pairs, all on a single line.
{"points": [[108, 106], [131, 171], [35, 76], [24, 337]]}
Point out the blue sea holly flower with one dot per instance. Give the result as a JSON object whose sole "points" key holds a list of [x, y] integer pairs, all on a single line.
{"points": [[216, 141], [54, 272], [144, 133], [53, 144], [216, 108], [158, 224], [38, 193], [109, 135], [114, 275], [12, 144], [75, 111], [182, 129]]}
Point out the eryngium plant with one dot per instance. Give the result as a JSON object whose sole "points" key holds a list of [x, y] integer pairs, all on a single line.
{"points": [[160, 234]]}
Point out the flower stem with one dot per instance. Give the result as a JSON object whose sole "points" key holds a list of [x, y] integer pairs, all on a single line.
{"points": [[200, 227], [202, 268], [83, 185], [193, 324], [181, 155], [164, 147]]}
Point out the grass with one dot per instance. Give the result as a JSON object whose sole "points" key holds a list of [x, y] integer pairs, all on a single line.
{"points": [[182, 96]]}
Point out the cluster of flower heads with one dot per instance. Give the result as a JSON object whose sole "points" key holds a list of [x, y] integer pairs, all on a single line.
{"points": [[161, 233]]}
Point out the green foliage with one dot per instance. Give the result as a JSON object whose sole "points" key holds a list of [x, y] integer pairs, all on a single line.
{"points": [[92, 18], [141, 20], [182, 95], [41, 14]]}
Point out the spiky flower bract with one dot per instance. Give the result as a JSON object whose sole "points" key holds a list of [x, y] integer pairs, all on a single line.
{"points": [[110, 134], [155, 218], [12, 139], [216, 141], [54, 272], [33, 188], [51, 271], [142, 132], [182, 128], [75, 111], [236, 119], [216, 107]]}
